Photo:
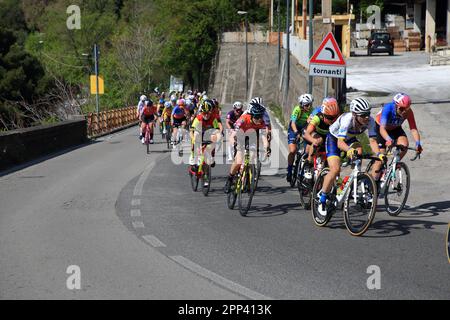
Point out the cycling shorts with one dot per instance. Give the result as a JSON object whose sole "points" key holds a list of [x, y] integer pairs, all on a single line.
{"points": [[331, 145], [178, 122], [148, 119], [394, 134]]}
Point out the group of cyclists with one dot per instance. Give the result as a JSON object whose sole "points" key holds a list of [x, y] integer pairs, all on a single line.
{"points": [[323, 129], [328, 130]]}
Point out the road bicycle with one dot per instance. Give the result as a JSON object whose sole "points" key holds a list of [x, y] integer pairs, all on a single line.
{"points": [[357, 195], [168, 135], [395, 181], [244, 183], [202, 172], [147, 137], [300, 156]]}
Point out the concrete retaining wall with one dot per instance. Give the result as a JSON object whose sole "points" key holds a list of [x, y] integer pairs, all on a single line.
{"points": [[19, 146]]}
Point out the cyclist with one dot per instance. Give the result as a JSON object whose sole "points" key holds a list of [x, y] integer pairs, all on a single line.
{"points": [[159, 112], [202, 123], [298, 122], [252, 120], [266, 116], [342, 134], [140, 105], [166, 115], [217, 110], [178, 119], [148, 116], [232, 117], [318, 128], [389, 127]]}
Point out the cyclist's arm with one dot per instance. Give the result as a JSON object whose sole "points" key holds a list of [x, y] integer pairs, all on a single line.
{"points": [[342, 145], [307, 134], [374, 145], [294, 116], [413, 126]]}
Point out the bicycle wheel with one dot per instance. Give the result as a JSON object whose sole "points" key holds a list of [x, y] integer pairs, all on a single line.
{"points": [[247, 189], [194, 180], [318, 219], [295, 171], [206, 177], [232, 195], [360, 205], [147, 140], [397, 190], [305, 192]]}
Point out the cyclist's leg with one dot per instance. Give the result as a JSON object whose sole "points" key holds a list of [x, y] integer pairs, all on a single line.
{"points": [[375, 173], [402, 140], [292, 146]]}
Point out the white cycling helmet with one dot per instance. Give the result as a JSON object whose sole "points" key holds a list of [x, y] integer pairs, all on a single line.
{"points": [[143, 98], [167, 104], [238, 105], [360, 106], [305, 99], [257, 100]]}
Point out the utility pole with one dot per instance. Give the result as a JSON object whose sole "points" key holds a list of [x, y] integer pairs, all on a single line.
{"points": [[326, 16], [287, 60], [279, 36], [311, 43], [96, 77]]}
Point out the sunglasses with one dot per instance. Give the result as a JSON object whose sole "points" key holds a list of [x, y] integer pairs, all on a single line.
{"points": [[331, 118], [364, 115]]}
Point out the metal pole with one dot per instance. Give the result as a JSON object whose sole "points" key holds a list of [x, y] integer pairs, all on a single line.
{"points": [[279, 36], [96, 76], [310, 80], [246, 58], [286, 88]]}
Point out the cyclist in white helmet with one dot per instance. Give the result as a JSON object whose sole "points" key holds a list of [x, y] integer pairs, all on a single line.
{"points": [[297, 124], [139, 108], [342, 136]]}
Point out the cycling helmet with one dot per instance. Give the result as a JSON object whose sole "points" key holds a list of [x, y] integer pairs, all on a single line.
{"points": [[256, 110], [161, 101], [181, 102], [189, 92], [173, 98], [257, 100], [360, 106], [330, 107], [238, 105], [207, 106], [143, 98], [216, 103], [167, 104], [191, 97], [305, 99], [403, 101]]}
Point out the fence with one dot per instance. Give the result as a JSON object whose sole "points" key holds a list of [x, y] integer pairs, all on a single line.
{"points": [[107, 121]]}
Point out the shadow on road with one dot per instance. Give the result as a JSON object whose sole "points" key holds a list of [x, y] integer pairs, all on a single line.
{"points": [[269, 210]]}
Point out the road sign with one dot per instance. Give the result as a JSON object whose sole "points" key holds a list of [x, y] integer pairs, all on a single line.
{"points": [[101, 85], [176, 84], [328, 60]]}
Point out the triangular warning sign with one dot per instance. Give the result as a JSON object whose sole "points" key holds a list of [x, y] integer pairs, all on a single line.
{"points": [[328, 52]]}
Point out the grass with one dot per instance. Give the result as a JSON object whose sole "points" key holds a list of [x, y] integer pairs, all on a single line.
{"points": [[278, 112]]}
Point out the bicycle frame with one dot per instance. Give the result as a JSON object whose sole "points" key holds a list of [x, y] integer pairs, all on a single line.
{"points": [[340, 198]]}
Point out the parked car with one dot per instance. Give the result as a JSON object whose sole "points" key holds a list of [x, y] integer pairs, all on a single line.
{"points": [[380, 42]]}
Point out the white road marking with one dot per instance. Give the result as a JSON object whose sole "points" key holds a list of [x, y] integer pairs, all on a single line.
{"points": [[230, 285], [138, 224], [135, 212], [140, 184], [136, 202], [154, 241]]}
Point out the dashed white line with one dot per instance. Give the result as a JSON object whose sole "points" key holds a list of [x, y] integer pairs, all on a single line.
{"points": [[230, 285], [154, 241], [140, 184], [138, 224], [135, 212]]}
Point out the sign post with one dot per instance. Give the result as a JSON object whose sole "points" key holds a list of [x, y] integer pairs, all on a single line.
{"points": [[328, 61]]}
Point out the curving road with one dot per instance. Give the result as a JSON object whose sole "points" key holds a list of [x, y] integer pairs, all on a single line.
{"points": [[137, 231]]}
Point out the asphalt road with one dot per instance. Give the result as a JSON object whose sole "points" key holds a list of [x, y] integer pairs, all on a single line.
{"points": [[135, 228]]}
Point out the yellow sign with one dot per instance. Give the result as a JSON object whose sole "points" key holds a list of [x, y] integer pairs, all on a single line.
{"points": [[101, 85]]}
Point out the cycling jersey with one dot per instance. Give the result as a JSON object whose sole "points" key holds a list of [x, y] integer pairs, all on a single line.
{"points": [[266, 118], [320, 126], [140, 106], [346, 127], [178, 112], [167, 112], [245, 123], [148, 111], [389, 118], [300, 117], [200, 123], [232, 117]]}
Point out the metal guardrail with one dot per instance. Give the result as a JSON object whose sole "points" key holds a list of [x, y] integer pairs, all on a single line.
{"points": [[108, 121]]}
